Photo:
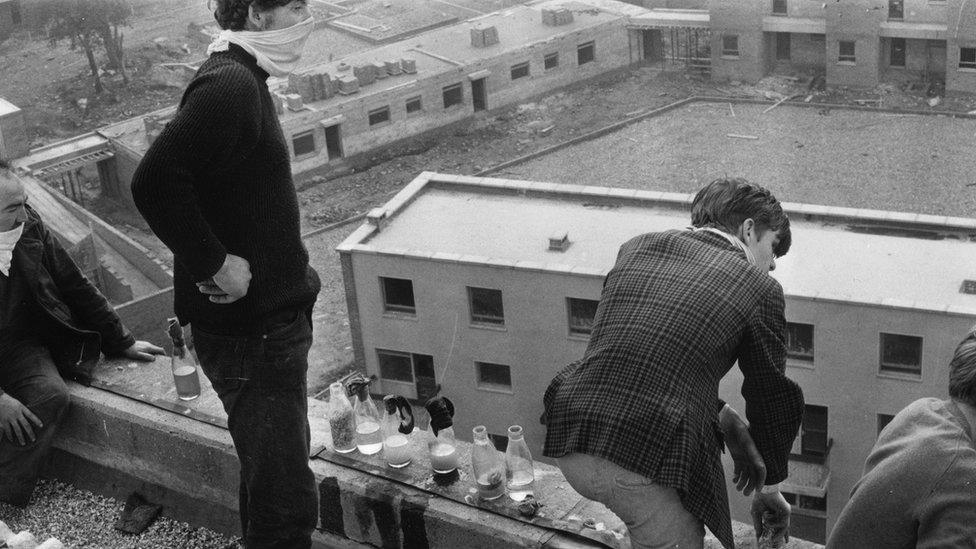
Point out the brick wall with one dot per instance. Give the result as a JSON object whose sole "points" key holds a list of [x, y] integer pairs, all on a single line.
{"points": [[856, 22], [743, 20]]}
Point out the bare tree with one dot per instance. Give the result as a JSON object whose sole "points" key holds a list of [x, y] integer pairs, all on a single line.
{"points": [[87, 24]]}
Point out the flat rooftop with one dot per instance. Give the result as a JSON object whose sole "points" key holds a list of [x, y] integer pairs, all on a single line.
{"points": [[6, 107], [864, 256], [449, 47]]}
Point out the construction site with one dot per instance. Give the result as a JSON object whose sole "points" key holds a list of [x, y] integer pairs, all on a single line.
{"points": [[606, 100]]}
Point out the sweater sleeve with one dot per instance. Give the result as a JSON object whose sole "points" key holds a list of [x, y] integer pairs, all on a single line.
{"points": [[217, 125], [774, 403]]}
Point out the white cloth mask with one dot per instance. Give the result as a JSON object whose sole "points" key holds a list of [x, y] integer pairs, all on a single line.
{"points": [[8, 240], [732, 240], [277, 52]]}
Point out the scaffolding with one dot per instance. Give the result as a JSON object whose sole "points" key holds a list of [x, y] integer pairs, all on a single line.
{"points": [[689, 48]]}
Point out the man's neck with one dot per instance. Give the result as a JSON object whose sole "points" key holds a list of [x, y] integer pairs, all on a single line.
{"points": [[969, 411]]}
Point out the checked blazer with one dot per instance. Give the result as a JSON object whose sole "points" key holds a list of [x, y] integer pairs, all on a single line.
{"points": [[677, 310]]}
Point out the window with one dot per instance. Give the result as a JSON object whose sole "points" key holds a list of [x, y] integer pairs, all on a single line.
{"points": [[967, 58], [453, 95], [585, 53], [818, 38], [799, 341], [520, 71], [303, 143], [809, 518], [846, 54], [486, 306], [550, 61], [379, 116], [811, 503], [414, 105], [730, 45], [395, 366], [897, 55], [581, 313], [896, 9], [813, 432], [398, 295], [901, 354], [494, 376], [779, 7], [883, 421]]}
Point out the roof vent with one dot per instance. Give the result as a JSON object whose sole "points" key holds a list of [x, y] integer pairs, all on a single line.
{"points": [[483, 35], [559, 242], [555, 17], [968, 287]]}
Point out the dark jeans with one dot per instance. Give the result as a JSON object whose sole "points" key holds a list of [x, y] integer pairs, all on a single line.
{"points": [[28, 374], [261, 380]]}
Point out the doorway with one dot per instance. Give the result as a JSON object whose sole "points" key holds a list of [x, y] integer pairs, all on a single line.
{"points": [[423, 373], [333, 141], [479, 94]]}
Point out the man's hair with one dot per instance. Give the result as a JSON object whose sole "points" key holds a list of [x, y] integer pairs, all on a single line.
{"points": [[4, 166], [232, 14], [728, 201], [962, 370]]}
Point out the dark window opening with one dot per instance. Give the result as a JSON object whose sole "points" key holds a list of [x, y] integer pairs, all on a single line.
{"points": [[379, 116], [896, 9], [813, 432], [846, 51], [398, 295], [883, 421], [486, 306], [967, 58], [730, 45], [799, 341], [395, 366], [453, 95], [494, 375], [414, 104], [551, 61], [897, 52], [901, 354], [303, 143], [520, 71], [585, 53], [581, 315], [779, 7]]}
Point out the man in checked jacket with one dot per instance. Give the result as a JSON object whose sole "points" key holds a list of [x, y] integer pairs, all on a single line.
{"points": [[637, 423]]}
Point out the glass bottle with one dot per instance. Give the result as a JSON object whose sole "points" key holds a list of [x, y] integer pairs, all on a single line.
{"points": [[369, 439], [185, 372], [487, 465], [441, 442], [342, 421], [397, 424], [519, 470]]}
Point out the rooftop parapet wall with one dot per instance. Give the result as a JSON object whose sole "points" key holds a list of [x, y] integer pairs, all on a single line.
{"points": [[114, 445]]}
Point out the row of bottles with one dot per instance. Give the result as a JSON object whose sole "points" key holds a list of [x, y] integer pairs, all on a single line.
{"points": [[357, 424]]}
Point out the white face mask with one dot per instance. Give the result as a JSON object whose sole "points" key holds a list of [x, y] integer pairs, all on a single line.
{"points": [[8, 240], [277, 52], [750, 257]]}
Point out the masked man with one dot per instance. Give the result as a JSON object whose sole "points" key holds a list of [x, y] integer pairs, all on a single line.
{"points": [[51, 318], [216, 187]]}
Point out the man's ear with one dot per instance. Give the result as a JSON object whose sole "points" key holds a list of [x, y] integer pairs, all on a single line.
{"points": [[747, 230], [254, 21]]}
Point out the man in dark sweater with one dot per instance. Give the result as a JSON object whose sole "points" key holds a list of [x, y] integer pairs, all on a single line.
{"points": [[216, 187], [51, 319]]}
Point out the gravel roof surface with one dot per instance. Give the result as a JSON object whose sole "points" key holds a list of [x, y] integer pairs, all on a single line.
{"points": [[82, 519], [835, 157]]}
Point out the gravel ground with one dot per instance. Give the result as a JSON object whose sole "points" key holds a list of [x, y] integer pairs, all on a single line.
{"points": [[82, 519], [835, 157]]}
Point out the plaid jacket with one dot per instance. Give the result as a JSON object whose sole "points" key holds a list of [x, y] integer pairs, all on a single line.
{"points": [[677, 310]]}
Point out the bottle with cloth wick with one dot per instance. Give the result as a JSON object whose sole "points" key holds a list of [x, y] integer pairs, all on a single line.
{"points": [[369, 438], [441, 442], [397, 425], [186, 376], [342, 421]]}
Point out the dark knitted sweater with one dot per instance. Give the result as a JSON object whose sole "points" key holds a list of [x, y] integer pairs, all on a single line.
{"points": [[217, 180]]}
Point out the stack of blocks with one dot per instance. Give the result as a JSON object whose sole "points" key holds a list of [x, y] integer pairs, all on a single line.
{"points": [[483, 35], [555, 17]]}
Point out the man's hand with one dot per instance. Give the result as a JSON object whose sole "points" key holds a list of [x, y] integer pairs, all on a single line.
{"points": [[142, 351], [771, 518], [230, 283], [16, 420], [749, 471]]}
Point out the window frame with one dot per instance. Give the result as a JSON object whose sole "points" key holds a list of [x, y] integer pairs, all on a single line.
{"points": [[580, 53], [520, 67], [899, 369], [492, 386], [847, 58], [550, 56], [398, 354], [893, 14], [384, 110], [395, 308], [410, 100], [459, 88], [481, 319], [967, 65], [730, 52], [815, 433], [302, 135], [576, 330]]}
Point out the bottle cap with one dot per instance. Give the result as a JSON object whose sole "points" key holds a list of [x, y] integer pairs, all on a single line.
{"points": [[441, 411], [397, 402]]}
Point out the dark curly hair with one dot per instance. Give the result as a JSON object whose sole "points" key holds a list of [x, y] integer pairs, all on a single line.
{"points": [[232, 14]]}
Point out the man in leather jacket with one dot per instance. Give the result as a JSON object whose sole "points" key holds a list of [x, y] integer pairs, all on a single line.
{"points": [[53, 323]]}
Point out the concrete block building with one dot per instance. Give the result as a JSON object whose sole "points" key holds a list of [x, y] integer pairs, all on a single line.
{"points": [[487, 287], [450, 74], [852, 43], [10, 17]]}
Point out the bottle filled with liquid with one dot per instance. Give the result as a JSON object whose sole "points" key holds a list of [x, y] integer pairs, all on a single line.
{"points": [[519, 470], [342, 420], [487, 465], [397, 425], [441, 443], [186, 376], [369, 438]]}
